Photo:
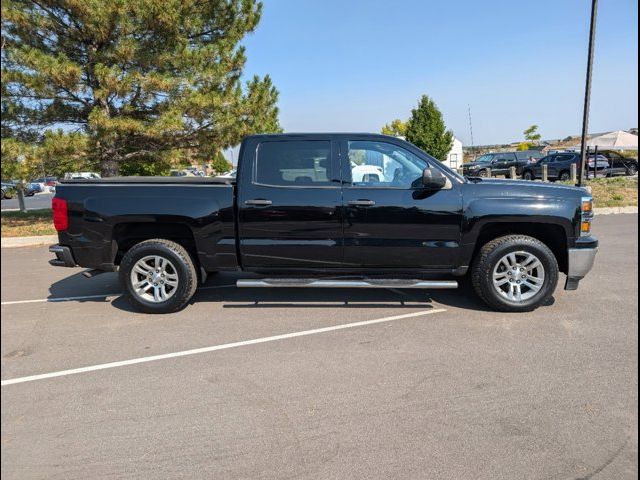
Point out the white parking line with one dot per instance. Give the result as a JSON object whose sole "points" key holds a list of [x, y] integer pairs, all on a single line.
{"points": [[89, 297], [195, 351]]}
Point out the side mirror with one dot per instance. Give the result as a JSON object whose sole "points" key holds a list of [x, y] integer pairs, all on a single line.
{"points": [[433, 179]]}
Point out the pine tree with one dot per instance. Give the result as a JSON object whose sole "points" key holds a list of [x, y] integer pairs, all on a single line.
{"points": [[144, 80], [220, 164], [426, 130]]}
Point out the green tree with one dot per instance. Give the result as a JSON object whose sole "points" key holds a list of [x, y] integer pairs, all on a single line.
{"points": [[144, 80], [531, 134], [397, 128], [220, 164], [426, 129]]}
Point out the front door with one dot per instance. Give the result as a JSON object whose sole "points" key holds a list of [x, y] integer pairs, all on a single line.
{"points": [[289, 204], [389, 220]]}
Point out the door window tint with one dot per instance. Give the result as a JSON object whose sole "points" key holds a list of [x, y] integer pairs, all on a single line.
{"points": [[564, 158], [298, 163], [381, 164]]}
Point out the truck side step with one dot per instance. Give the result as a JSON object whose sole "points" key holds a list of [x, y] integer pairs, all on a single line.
{"points": [[363, 283]]}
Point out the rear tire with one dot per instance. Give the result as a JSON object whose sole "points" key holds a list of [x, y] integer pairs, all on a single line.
{"points": [[565, 176], [527, 175], [159, 276], [534, 267]]}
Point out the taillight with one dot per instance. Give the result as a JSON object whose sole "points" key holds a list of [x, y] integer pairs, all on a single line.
{"points": [[60, 214]]}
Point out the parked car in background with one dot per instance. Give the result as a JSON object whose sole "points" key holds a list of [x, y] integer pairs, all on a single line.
{"points": [[47, 183], [499, 163], [559, 167], [80, 175], [35, 187], [8, 190], [230, 175], [182, 173], [619, 164]]}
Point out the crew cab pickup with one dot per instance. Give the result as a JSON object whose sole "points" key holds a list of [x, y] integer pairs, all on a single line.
{"points": [[297, 216]]}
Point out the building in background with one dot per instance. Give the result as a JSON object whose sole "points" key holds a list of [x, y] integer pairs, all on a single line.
{"points": [[454, 157]]}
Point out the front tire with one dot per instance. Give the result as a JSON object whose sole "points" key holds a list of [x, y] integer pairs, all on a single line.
{"points": [[515, 273], [632, 170], [159, 276], [527, 175], [565, 176]]}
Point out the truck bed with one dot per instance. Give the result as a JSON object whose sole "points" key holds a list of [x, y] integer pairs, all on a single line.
{"points": [[107, 216]]}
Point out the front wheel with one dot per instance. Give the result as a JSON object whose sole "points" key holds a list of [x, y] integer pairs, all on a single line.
{"points": [[515, 273], [159, 276], [565, 176], [632, 170], [528, 175]]}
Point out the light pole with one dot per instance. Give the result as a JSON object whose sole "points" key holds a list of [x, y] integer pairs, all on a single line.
{"points": [[587, 93]]}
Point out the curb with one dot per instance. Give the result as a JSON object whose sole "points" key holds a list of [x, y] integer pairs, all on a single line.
{"points": [[615, 210], [15, 242]]}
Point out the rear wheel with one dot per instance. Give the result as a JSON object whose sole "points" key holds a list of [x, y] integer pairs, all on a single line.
{"points": [[565, 176], [527, 175], [159, 276], [515, 273]]}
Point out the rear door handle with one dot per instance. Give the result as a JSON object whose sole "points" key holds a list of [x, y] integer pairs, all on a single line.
{"points": [[258, 202], [362, 203]]}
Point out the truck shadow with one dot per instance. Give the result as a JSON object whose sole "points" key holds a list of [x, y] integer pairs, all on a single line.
{"points": [[221, 289]]}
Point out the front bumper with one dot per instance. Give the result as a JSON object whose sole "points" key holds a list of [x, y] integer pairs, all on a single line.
{"points": [[580, 259], [64, 257]]}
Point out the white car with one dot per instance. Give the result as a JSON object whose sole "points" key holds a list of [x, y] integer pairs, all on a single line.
{"points": [[367, 173]]}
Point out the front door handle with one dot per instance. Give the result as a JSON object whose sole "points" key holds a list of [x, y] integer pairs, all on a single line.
{"points": [[362, 203], [258, 202]]}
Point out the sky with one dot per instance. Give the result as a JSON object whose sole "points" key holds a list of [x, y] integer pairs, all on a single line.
{"points": [[354, 65]]}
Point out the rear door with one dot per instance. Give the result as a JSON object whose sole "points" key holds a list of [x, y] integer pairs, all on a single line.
{"points": [[289, 203], [390, 222], [504, 161]]}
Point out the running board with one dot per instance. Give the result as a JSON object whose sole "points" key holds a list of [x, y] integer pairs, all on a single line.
{"points": [[369, 283]]}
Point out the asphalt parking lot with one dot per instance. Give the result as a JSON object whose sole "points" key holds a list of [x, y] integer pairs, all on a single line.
{"points": [[38, 201], [428, 385]]}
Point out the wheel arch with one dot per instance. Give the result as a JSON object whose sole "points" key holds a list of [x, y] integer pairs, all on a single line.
{"points": [[553, 235], [128, 234]]}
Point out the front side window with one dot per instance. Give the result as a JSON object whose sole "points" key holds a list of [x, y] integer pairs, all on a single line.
{"points": [[484, 159], [381, 164], [294, 163]]}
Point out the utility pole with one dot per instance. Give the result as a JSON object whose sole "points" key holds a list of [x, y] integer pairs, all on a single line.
{"points": [[471, 128], [587, 93]]}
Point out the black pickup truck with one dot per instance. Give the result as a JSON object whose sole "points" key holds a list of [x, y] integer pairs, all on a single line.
{"points": [[328, 210]]}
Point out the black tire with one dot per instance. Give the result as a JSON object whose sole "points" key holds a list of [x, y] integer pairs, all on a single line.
{"points": [[632, 170], [528, 175], [483, 173], [564, 176], [489, 256], [181, 261]]}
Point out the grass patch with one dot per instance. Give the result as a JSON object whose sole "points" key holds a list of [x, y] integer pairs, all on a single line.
{"points": [[614, 192], [34, 222]]}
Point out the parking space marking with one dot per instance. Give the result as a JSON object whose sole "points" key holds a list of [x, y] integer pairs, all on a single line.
{"points": [[225, 346], [90, 297]]}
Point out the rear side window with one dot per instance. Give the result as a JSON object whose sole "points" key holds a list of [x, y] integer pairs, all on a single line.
{"points": [[294, 163]]}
